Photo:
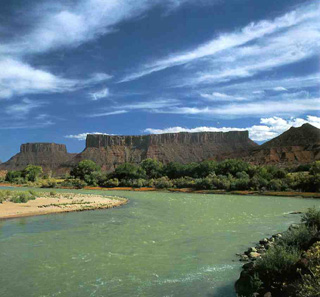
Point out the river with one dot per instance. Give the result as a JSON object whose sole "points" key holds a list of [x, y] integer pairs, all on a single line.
{"points": [[158, 245]]}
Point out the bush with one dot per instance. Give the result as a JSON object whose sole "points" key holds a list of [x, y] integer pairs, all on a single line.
{"points": [[74, 183], [310, 283], [21, 197], [277, 265], [184, 182], [298, 238], [312, 218], [110, 183], [48, 183], [163, 183]]}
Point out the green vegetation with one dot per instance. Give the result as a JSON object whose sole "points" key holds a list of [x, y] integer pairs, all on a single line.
{"points": [[17, 197], [228, 175], [290, 266], [31, 173]]}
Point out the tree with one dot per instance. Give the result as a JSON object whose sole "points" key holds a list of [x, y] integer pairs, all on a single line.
{"points": [[315, 168], [32, 172], [153, 168], [128, 171], [84, 168]]}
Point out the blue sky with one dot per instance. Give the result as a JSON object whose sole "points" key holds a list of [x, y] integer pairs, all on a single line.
{"points": [[70, 68]]}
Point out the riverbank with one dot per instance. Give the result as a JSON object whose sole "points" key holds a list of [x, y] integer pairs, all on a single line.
{"points": [[286, 264], [49, 203], [190, 190]]}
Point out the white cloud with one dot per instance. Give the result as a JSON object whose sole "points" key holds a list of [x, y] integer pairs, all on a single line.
{"points": [[20, 79], [267, 107], [100, 94], [216, 96], [143, 105], [230, 41], [105, 114], [22, 109], [259, 86], [280, 89], [269, 128], [72, 23], [83, 136]]}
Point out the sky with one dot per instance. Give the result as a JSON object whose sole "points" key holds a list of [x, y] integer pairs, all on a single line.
{"points": [[73, 67]]}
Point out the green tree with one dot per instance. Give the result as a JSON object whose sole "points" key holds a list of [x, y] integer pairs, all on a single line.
{"points": [[84, 168], [315, 168], [128, 171], [153, 168], [32, 173]]}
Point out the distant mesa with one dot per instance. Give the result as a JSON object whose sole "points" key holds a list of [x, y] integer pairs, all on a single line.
{"points": [[295, 146]]}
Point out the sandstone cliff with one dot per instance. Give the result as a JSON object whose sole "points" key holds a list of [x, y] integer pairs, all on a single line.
{"points": [[50, 156], [110, 151], [295, 146]]}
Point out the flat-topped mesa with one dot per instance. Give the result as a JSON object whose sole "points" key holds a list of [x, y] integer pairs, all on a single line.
{"points": [[43, 147], [50, 156], [103, 141], [109, 151]]}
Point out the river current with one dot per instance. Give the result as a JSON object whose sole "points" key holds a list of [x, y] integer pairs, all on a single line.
{"points": [[158, 245]]}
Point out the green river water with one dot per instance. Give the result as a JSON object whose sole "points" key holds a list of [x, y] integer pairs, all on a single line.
{"points": [[159, 245]]}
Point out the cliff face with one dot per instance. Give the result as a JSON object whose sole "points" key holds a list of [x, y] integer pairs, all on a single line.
{"points": [[50, 156], [295, 146], [110, 151]]}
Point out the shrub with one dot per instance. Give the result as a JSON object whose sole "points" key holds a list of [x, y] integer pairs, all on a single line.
{"points": [[74, 183], [163, 183], [110, 183], [48, 183], [277, 264], [298, 238], [312, 218], [184, 182], [310, 283]]}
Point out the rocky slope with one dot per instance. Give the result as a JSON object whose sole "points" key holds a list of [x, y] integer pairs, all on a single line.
{"points": [[110, 151], [295, 146], [50, 156]]}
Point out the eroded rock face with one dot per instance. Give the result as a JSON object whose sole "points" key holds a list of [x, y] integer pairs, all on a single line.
{"points": [[110, 151], [50, 156], [295, 146]]}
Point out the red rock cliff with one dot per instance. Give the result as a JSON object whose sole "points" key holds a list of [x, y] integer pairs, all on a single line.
{"points": [[109, 151]]}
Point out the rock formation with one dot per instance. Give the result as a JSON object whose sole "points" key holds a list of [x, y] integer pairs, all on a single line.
{"points": [[49, 156], [109, 151], [295, 146]]}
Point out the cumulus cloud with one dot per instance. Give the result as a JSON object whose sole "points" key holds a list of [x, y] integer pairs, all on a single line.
{"points": [[268, 128], [83, 136]]}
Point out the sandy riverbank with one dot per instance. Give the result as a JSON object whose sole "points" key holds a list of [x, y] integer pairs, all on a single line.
{"points": [[61, 202]]}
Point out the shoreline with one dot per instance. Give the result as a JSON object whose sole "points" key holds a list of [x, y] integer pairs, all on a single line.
{"points": [[61, 203], [312, 195]]}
